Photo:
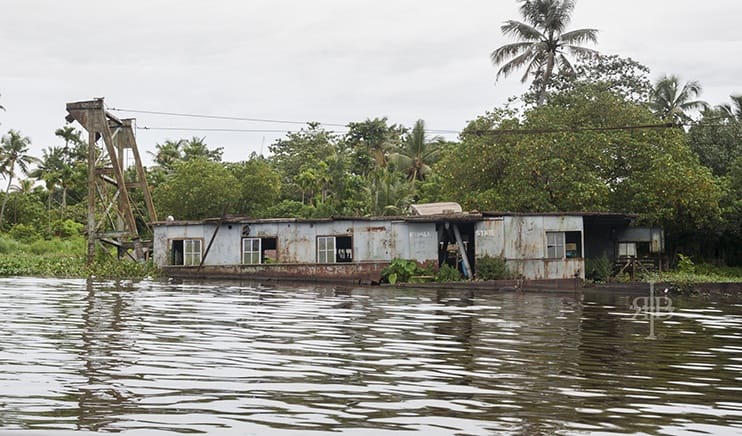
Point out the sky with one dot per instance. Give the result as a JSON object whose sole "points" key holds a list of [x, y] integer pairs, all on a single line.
{"points": [[330, 61]]}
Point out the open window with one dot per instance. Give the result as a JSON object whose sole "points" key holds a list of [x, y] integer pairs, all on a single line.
{"points": [[561, 245], [334, 249], [258, 250], [185, 252]]}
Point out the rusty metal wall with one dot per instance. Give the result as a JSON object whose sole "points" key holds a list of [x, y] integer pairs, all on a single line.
{"points": [[489, 238], [525, 246], [372, 241], [417, 241]]}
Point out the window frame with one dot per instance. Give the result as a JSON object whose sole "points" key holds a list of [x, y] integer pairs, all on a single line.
{"points": [[191, 250], [252, 253], [323, 252], [555, 249]]}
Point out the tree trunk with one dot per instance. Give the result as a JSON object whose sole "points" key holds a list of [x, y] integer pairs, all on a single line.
{"points": [[7, 194], [545, 80]]}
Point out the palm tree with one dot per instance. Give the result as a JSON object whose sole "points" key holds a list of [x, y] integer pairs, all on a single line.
{"points": [[13, 149], [53, 171], [417, 154], [542, 42], [168, 153], [672, 102], [732, 111]]}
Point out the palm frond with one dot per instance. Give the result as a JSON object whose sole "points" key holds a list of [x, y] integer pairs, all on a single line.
{"points": [[580, 36], [521, 31]]}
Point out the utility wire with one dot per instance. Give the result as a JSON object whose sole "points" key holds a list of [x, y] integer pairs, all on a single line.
{"points": [[572, 129], [218, 117], [232, 118], [476, 132], [206, 129]]}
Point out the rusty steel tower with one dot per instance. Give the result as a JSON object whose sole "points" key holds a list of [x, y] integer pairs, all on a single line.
{"points": [[112, 215]]}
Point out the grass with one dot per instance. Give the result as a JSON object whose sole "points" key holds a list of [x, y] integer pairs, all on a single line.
{"points": [[65, 257]]}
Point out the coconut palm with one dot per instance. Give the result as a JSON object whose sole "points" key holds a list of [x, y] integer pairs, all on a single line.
{"points": [[54, 172], [543, 43], [417, 154], [672, 101], [732, 111], [13, 152]]}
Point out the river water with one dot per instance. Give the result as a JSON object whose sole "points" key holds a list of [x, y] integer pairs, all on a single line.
{"points": [[231, 358]]}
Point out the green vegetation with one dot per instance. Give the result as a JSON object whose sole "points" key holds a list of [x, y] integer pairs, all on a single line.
{"points": [[593, 133], [64, 257], [492, 268], [404, 271]]}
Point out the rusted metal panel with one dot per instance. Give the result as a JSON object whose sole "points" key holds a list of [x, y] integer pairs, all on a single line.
{"points": [[372, 243], [422, 240], [489, 238], [524, 237], [362, 272], [564, 223]]}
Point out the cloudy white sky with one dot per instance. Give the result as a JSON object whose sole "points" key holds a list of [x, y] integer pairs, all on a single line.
{"points": [[332, 61]]}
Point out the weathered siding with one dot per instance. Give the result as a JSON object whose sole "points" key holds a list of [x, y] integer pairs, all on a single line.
{"points": [[525, 247], [489, 238], [372, 241], [524, 237]]}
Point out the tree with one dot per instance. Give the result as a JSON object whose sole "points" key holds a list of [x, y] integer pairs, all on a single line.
{"points": [[623, 77], [732, 111], [673, 102], [170, 153], [13, 151], [299, 151], [371, 142], [542, 42], [417, 154], [259, 183], [389, 193], [49, 170], [652, 172], [717, 139], [197, 189]]}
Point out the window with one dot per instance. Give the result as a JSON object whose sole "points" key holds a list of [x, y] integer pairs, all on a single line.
{"points": [[334, 249], [555, 245], [560, 245], [186, 252], [258, 250], [325, 249], [251, 251], [627, 249], [572, 245]]}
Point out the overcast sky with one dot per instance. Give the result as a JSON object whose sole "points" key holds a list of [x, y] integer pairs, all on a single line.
{"points": [[332, 61]]}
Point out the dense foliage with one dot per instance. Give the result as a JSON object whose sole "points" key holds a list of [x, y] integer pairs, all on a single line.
{"points": [[592, 134]]}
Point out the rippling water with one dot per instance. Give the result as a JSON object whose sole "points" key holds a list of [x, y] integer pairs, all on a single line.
{"points": [[225, 358]]}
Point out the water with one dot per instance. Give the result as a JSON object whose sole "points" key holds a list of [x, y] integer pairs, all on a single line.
{"points": [[228, 358]]}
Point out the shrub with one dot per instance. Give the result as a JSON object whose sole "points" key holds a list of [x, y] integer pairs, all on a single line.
{"points": [[67, 228], [24, 233], [598, 269], [402, 271], [685, 264], [448, 273], [492, 268], [9, 245]]}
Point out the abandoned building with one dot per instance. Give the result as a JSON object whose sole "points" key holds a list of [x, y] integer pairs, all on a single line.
{"points": [[548, 246]]}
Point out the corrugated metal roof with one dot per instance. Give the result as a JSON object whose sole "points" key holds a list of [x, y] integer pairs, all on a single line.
{"points": [[435, 208]]}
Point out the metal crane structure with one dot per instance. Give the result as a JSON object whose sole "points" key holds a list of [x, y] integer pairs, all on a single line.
{"points": [[112, 214]]}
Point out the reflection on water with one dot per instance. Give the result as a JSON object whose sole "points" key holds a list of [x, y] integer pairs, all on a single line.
{"points": [[234, 359]]}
